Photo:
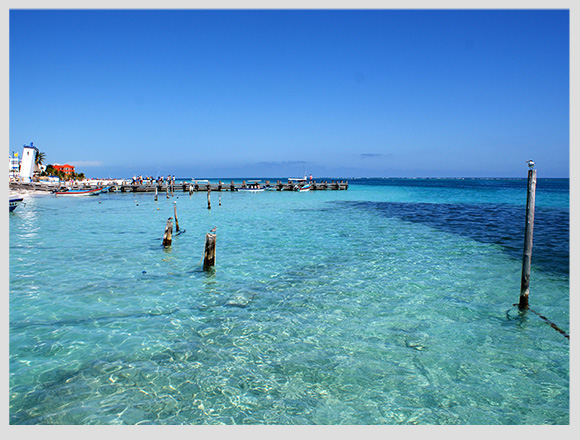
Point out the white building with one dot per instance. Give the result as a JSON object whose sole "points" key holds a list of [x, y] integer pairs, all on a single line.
{"points": [[27, 163], [13, 166]]}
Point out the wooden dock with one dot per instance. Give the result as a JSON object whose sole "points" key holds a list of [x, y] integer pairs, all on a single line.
{"points": [[186, 186], [223, 186]]}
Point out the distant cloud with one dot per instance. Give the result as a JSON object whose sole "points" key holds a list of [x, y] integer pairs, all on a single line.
{"points": [[87, 163], [372, 155]]}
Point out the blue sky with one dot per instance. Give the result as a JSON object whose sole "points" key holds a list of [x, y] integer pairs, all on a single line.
{"points": [[249, 93]]}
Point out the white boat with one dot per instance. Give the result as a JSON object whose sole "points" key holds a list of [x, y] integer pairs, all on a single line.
{"points": [[253, 186], [299, 184], [298, 180], [260, 189], [200, 181]]}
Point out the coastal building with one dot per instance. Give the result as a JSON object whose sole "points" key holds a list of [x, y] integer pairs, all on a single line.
{"points": [[13, 166], [66, 168], [27, 163]]}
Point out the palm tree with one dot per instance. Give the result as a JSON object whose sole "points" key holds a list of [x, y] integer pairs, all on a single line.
{"points": [[39, 159]]}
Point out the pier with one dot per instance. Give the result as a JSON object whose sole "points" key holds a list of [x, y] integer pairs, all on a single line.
{"points": [[231, 186], [193, 186]]}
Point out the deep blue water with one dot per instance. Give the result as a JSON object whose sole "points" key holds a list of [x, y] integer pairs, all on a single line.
{"points": [[388, 303]]}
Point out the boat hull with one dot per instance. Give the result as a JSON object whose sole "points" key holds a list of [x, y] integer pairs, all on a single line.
{"points": [[13, 203], [72, 193], [251, 189]]}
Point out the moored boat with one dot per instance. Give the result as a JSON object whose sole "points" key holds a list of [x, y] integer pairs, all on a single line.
{"points": [[80, 192], [13, 203], [253, 189], [253, 186], [299, 184]]}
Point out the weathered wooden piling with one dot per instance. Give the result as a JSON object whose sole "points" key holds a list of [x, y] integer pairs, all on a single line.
{"points": [[208, 200], [209, 251], [528, 240], [168, 232], [175, 215]]}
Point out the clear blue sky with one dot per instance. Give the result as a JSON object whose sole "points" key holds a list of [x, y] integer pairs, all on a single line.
{"points": [[246, 93]]}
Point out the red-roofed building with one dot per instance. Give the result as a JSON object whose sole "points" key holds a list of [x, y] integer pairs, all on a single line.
{"points": [[66, 168]]}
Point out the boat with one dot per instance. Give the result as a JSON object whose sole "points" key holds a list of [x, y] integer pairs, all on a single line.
{"points": [[80, 192], [299, 184], [13, 203], [253, 186], [253, 189]]}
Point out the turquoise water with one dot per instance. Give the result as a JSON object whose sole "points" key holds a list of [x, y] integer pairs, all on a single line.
{"points": [[388, 303]]}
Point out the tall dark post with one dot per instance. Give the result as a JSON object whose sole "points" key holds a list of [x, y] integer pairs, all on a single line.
{"points": [[527, 260], [175, 215], [168, 232], [209, 251], [208, 200]]}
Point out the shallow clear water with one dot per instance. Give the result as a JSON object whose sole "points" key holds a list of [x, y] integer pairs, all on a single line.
{"points": [[388, 303]]}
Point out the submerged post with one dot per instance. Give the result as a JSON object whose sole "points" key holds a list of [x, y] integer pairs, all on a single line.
{"points": [[209, 251], [168, 232], [175, 215], [528, 240]]}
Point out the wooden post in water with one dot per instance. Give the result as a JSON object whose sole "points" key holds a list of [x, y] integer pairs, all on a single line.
{"points": [[175, 215], [209, 251], [208, 201], [168, 232], [155, 193], [527, 260]]}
